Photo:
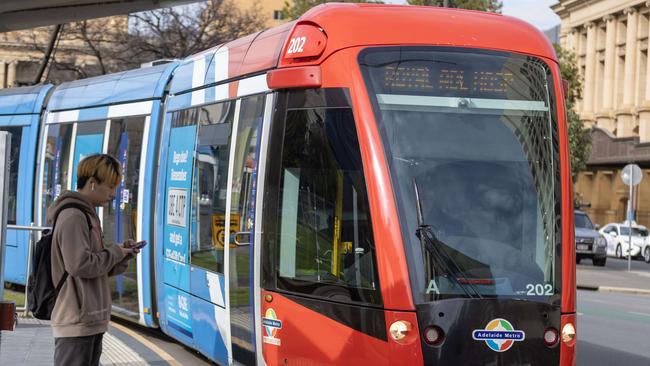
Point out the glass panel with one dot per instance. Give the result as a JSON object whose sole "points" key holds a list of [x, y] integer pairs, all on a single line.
{"points": [[326, 246], [625, 231], [14, 162], [210, 184], [120, 218], [56, 164], [89, 140], [474, 130], [242, 216], [582, 221]]}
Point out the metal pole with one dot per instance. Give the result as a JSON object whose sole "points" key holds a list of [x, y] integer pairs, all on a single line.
{"points": [[629, 222], [5, 148], [30, 242]]}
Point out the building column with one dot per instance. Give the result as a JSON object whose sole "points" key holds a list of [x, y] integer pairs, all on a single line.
{"points": [[606, 118], [625, 116], [590, 73], [572, 41], [575, 37], [564, 40], [3, 74], [644, 109], [11, 74]]}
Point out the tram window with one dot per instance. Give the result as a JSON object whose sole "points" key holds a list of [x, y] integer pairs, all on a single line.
{"points": [[56, 164], [120, 219], [210, 183], [477, 132], [88, 140], [14, 156], [323, 234]]}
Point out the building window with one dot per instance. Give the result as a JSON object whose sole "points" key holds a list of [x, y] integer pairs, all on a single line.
{"points": [[277, 15]]}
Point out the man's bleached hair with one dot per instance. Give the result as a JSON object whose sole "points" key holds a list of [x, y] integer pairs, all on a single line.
{"points": [[103, 167]]}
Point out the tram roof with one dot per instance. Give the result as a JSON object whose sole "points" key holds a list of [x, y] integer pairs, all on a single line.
{"points": [[123, 87], [248, 55], [24, 100], [349, 25]]}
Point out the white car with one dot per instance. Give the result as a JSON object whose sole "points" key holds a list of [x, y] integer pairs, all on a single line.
{"points": [[618, 236], [645, 251]]}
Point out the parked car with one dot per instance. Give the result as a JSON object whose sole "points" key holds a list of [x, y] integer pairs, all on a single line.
{"points": [[617, 236], [645, 252], [589, 242]]}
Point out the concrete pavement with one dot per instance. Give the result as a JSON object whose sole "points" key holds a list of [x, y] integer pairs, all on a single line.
{"points": [[31, 343]]}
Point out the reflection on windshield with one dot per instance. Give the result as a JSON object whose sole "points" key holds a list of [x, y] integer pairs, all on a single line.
{"points": [[582, 221], [485, 211], [480, 146]]}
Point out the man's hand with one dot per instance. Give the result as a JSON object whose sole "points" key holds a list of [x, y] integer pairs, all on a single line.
{"points": [[129, 247]]}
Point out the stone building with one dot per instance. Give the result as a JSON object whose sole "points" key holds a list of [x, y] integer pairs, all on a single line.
{"points": [[610, 39], [269, 9], [21, 53]]}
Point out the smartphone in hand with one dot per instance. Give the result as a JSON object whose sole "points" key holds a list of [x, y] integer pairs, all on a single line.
{"points": [[140, 244]]}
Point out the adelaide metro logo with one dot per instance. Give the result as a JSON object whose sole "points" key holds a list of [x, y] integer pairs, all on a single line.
{"points": [[499, 335], [271, 325]]}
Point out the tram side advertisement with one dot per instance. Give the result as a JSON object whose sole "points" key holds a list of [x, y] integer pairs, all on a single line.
{"points": [[176, 230]]}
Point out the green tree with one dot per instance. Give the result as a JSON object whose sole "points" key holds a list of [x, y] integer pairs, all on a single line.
{"points": [[485, 5], [294, 9], [579, 137]]}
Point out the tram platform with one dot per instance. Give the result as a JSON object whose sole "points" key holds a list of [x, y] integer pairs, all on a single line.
{"points": [[31, 343]]}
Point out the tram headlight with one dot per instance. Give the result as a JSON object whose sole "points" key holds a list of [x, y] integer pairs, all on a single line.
{"points": [[399, 330], [568, 334]]}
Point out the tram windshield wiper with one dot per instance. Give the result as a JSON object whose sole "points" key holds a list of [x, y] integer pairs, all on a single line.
{"points": [[441, 262]]}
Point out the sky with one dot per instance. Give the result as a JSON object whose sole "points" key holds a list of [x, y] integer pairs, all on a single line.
{"points": [[535, 12]]}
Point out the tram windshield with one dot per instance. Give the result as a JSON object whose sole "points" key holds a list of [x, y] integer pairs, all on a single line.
{"points": [[471, 142]]}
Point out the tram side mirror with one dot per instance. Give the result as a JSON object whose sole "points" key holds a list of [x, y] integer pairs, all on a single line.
{"points": [[565, 88]]}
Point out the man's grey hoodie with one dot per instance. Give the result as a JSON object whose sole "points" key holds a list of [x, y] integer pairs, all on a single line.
{"points": [[83, 307]]}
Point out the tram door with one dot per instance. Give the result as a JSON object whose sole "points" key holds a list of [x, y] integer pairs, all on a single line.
{"points": [[240, 228], [66, 145], [18, 213]]}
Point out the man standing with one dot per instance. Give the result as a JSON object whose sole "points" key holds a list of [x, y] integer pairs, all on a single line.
{"points": [[83, 307]]}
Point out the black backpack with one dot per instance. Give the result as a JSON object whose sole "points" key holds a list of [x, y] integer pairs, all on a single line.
{"points": [[41, 293]]}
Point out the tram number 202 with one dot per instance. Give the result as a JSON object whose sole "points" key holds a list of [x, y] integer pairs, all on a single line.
{"points": [[296, 45], [176, 207], [539, 289]]}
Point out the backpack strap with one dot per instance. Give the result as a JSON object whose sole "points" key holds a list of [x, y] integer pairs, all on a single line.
{"points": [[90, 227]]}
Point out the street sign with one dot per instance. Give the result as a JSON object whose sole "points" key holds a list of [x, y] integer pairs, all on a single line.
{"points": [[631, 175]]}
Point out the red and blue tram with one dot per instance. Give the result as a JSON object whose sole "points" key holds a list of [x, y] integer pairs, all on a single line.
{"points": [[370, 184]]}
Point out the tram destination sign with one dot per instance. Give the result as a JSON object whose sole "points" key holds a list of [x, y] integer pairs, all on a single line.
{"points": [[442, 80]]}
